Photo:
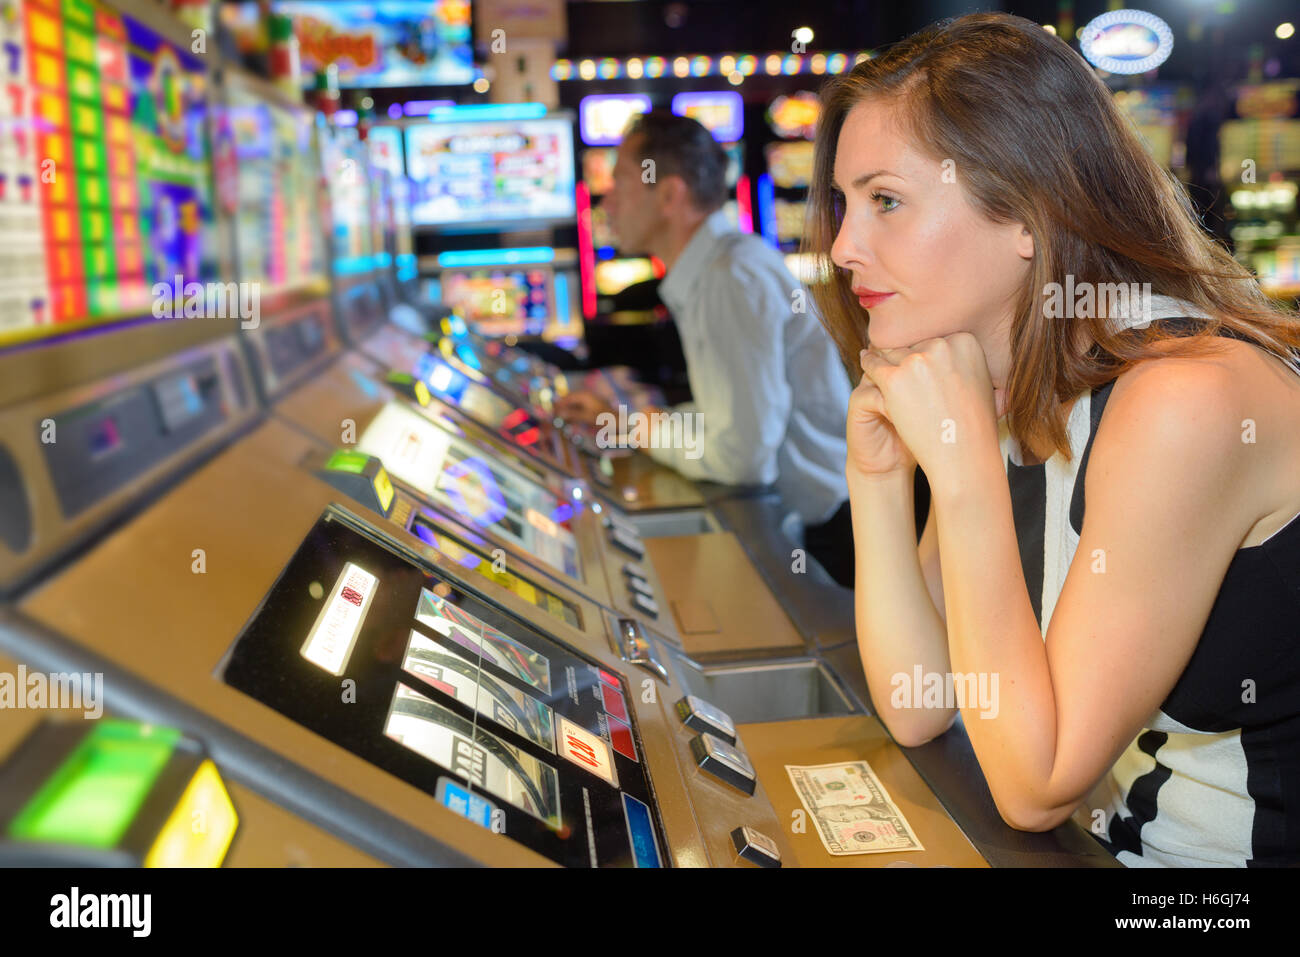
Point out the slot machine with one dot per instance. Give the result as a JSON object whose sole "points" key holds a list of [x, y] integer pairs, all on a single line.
{"points": [[343, 624], [109, 390], [242, 582], [503, 294]]}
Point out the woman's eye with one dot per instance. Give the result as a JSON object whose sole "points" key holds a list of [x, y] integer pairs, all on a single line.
{"points": [[887, 203]]}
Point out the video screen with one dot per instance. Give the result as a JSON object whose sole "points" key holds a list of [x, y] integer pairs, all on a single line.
{"points": [[344, 159], [385, 43], [404, 258], [791, 164], [277, 224], [598, 169], [485, 712], [485, 494], [721, 112], [500, 301], [615, 275], [432, 533], [472, 173], [602, 231], [107, 169], [603, 117], [379, 193]]}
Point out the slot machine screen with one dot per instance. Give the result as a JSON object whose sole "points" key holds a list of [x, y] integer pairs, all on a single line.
{"points": [[598, 169], [278, 219], [107, 173], [385, 143], [791, 164], [380, 193], [485, 493], [475, 173], [404, 258], [345, 161], [384, 43], [505, 301], [615, 275], [485, 712], [722, 112]]}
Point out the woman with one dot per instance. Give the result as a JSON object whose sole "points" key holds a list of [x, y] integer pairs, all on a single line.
{"points": [[983, 201]]}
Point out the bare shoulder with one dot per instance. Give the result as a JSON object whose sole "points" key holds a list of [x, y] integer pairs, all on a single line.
{"points": [[1229, 418]]}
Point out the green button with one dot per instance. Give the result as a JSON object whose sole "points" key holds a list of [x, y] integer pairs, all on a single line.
{"points": [[96, 793], [347, 462]]}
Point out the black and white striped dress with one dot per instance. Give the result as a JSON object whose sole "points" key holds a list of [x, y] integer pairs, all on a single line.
{"points": [[1213, 779]]}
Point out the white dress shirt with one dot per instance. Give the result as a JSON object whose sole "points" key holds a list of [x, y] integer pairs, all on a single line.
{"points": [[764, 374]]}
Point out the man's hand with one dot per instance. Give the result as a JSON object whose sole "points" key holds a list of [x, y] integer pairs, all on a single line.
{"points": [[581, 407]]}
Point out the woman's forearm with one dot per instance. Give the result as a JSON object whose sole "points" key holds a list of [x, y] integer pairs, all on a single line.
{"points": [[994, 637], [898, 626]]}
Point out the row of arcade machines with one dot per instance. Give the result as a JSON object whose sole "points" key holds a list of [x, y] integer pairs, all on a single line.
{"points": [[341, 584]]}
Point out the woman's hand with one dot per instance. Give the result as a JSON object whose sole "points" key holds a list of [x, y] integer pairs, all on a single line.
{"points": [[874, 444], [939, 401]]}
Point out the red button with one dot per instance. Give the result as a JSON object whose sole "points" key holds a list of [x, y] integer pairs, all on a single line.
{"points": [[614, 703], [620, 736], [609, 679]]}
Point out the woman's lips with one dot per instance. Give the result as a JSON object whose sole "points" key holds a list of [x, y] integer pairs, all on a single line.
{"points": [[869, 299]]}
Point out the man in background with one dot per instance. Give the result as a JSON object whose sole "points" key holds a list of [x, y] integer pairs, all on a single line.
{"points": [[765, 379]]}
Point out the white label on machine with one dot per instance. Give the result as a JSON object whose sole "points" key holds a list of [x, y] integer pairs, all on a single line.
{"points": [[330, 642], [586, 750]]}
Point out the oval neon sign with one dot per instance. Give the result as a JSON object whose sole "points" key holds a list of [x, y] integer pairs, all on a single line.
{"points": [[1127, 41]]}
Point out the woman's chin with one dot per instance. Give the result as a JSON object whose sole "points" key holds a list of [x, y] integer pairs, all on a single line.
{"points": [[888, 335], [881, 336]]}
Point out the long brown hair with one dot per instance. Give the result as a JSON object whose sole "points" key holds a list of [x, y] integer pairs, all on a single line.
{"points": [[1036, 139]]}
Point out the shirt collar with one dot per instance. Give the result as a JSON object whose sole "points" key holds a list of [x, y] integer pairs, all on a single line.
{"points": [[695, 257]]}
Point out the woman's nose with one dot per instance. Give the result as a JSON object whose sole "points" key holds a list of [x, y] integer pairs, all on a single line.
{"points": [[846, 250]]}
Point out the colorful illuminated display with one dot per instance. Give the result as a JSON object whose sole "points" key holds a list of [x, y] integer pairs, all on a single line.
{"points": [[781, 214], [464, 556], [385, 144], [795, 116], [110, 794], [277, 221], [1126, 41], [404, 258], [470, 173], [24, 289], [344, 160], [721, 113], [499, 301], [615, 275], [450, 471], [110, 148], [379, 194], [602, 118], [598, 169], [385, 43], [791, 164]]}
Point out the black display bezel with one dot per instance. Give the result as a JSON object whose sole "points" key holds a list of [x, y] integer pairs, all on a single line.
{"points": [[266, 663]]}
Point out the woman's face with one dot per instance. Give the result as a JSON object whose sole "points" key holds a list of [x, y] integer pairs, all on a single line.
{"points": [[922, 260]]}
